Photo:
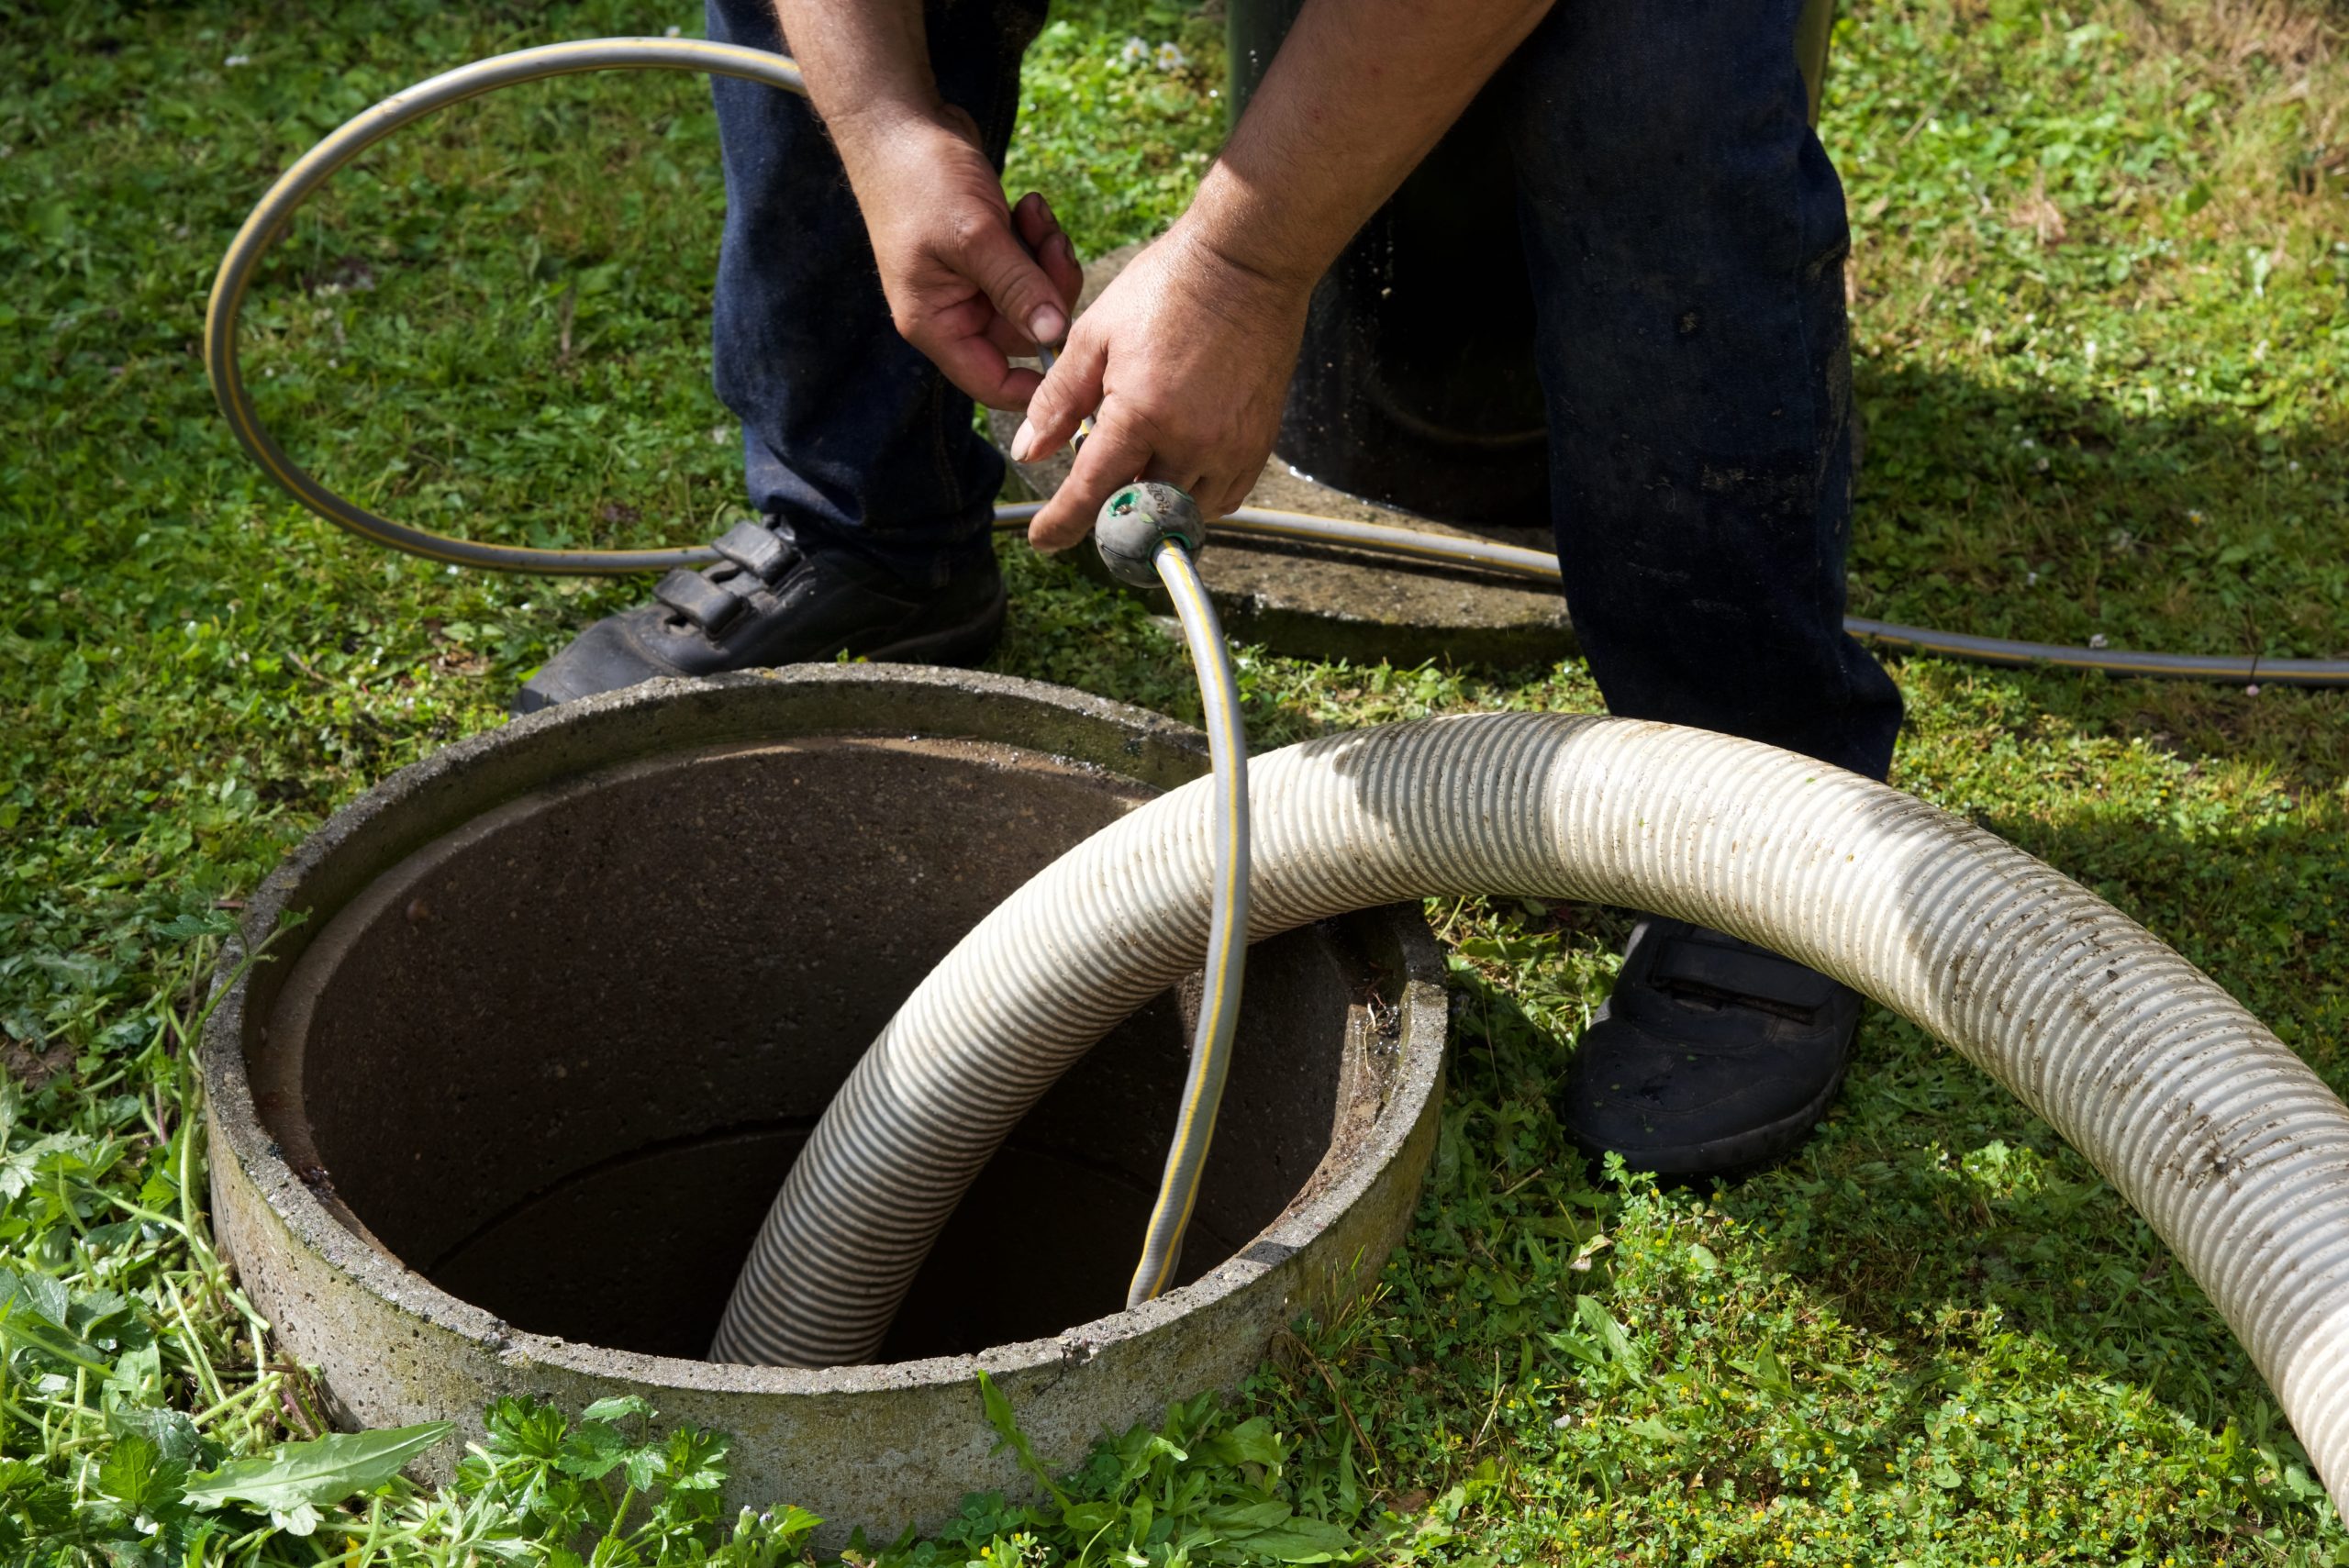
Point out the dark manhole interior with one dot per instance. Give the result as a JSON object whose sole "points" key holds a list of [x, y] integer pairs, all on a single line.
{"points": [[559, 1060]]}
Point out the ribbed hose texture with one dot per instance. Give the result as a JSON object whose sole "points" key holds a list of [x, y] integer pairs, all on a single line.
{"points": [[2234, 1151]]}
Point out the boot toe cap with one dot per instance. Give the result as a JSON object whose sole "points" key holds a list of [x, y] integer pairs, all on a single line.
{"points": [[608, 655]]}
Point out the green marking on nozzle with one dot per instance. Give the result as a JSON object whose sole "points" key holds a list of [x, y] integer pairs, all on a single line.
{"points": [[1136, 520]]}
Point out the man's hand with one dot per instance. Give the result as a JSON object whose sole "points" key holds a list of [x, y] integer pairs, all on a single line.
{"points": [[971, 282], [1186, 358]]}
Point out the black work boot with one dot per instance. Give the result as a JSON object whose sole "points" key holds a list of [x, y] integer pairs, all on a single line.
{"points": [[768, 602], [1712, 1056]]}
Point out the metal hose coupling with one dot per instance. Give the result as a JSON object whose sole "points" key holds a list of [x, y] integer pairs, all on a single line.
{"points": [[1140, 518]]}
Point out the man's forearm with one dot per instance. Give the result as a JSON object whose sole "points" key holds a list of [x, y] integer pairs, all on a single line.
{"points": [[969, 279], [1361, 91], [866, 62]]}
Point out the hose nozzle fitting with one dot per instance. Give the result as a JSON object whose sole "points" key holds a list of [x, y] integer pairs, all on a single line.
{"points": [[1136, 520]]}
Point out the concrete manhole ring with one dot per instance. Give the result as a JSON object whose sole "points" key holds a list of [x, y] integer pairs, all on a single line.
{"points": [[500, 1114]]}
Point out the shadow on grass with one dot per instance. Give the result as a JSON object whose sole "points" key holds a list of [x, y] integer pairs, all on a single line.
{"points": [[2303, 735], [2026, 513], [1934, 1212], [2021, 512], [1938, 1212]]}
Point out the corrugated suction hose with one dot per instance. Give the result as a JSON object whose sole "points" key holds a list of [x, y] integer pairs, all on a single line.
{"points": [[2229, 1145]]}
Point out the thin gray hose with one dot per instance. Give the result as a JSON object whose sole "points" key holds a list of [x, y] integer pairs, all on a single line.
{"points": [[2234, 1151], [1187, 1153], [240, 264], [1514, 561]]}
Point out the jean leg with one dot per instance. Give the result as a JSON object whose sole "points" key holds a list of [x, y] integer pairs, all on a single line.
{"points": [[849, 433], [1686, 235]]}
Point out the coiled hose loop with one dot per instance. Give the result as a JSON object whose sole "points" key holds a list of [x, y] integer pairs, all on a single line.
{"points": [[267, 222], [239, 264]]}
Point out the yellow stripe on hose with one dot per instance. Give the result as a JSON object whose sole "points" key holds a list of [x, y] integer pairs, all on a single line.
{"points": [[1211, 1042]]}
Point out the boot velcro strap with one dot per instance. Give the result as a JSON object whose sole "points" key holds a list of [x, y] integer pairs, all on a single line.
{"points": [[699, 600], [1730, 974], [756, 549]]}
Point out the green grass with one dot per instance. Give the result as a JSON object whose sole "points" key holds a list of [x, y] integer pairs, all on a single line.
{"points": [[1936, 1338], [2101, 266]]}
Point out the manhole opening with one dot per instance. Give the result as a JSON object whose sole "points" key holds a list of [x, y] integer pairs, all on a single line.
{"points": [[559, 1060]]}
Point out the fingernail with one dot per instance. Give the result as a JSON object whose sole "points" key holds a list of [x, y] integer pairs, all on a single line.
{"points": [[1022, 441], [1047, 325], [1066, 246]]}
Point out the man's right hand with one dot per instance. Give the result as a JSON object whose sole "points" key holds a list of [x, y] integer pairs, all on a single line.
{"points": [[971, 281]]}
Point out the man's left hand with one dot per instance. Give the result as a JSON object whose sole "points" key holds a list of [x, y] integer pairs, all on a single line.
{"points": [[1184, 362]]}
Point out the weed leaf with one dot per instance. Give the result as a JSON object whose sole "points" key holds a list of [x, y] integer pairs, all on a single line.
{"points": [[617, 1408], [697, 1461], [1089, 1518], [592, 1451], [1009, 1435], [325, 1469], [172, 1433], [43, 1294], [1273, 1532], [1253, 1441], [644, 1467], [137, 1475], [1765, 1373], [32, 1312], [1603, 1326]]}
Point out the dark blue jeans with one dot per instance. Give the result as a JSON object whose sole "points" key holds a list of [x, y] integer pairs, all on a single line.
{"points": [[1686, 237]]}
